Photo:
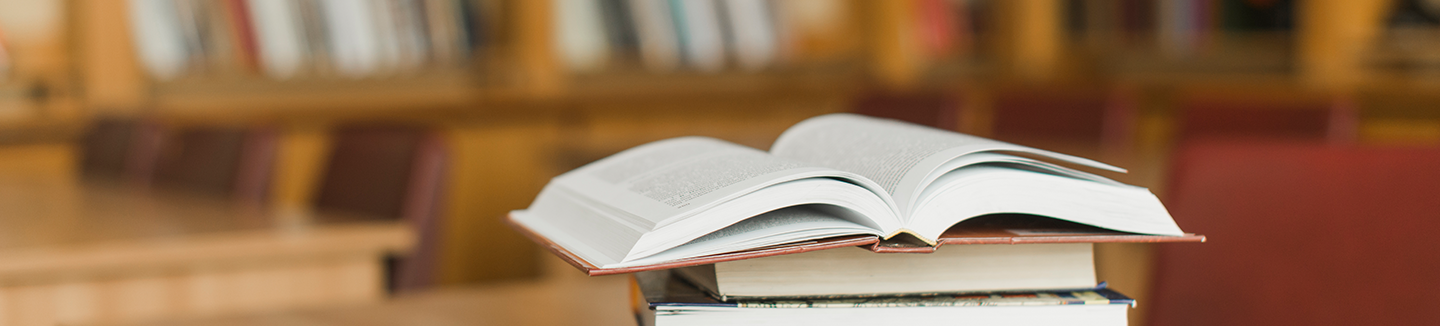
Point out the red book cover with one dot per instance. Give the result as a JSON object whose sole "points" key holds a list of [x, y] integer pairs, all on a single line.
{"points": [[937, 27], [244, 31]]}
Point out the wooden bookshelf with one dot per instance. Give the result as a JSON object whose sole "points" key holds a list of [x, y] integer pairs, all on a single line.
{"points": [[225, 98], [32, 114], [81, 253], [1026, 40], [517, 101], [645, 86]]}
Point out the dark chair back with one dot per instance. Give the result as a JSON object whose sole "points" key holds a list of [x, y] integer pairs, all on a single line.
{"points": [[391, 172], [1318, 119], [120, 149], [231, 162], [1301, 234]]}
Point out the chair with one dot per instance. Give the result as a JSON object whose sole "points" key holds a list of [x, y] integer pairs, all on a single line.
{"points": [[1317, 119], [222, 161], [390, 172], [1301, 234], [120, 149]]}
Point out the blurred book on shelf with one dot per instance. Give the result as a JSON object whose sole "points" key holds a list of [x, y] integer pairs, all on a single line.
{"points": [[1187, 36], [707, 36], [580, 34], [944, 26], [1137, 19], [306, 38]]}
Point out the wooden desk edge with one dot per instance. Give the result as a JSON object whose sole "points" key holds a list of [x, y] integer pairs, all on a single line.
{"points": [[367, 239]]}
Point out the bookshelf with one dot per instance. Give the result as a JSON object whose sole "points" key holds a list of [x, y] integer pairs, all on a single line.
{"points": [[518, 100], [521, 64], [1032, 41], [256, 97]]}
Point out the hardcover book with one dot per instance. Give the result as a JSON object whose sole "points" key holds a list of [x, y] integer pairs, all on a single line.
{"points": [[832, 181], [856, 272], [664, 300]]}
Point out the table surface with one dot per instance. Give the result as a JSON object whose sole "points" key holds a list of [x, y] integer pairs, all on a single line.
{"points": [[35, 214], [562, 296], [48, 226]]}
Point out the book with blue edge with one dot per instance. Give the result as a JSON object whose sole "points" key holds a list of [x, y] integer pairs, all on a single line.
{"points": [[661, 300]]}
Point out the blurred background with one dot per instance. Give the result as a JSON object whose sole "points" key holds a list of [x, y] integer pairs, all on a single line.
{"points": [[182, 159]]}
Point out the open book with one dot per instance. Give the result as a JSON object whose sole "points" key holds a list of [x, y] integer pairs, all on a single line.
{"points": [[826, 178]]}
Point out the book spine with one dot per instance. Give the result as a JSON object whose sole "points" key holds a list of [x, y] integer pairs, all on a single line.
{"points": [[751, 33], [278, 35], [243, 29], [697, 23], [580, 35], [1088, 297], [160, 44], [657, 35]]}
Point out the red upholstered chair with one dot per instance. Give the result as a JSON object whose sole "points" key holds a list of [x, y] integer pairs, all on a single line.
{"points": [[1301, 234], [222, 161], [935, 109], [391, 172], [1319, 119]]}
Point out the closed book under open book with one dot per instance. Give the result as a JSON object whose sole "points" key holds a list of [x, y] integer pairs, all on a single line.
{"points": [[856, 272], [832, 181], [661, 300]]}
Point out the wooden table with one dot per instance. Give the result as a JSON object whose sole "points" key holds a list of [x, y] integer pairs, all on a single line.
{"points": [[82, 253], [563, 296]]}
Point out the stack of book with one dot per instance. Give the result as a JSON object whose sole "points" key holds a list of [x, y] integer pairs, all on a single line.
{"points": [[849, 220]]}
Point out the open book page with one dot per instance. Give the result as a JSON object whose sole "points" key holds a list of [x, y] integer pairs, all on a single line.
{"points": [[663, 194], [903, 158], [787, 225], [845, 200], [661, 182], [1012, 161], [991, 189]]}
